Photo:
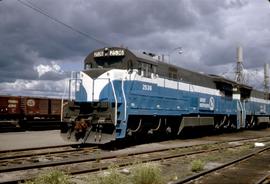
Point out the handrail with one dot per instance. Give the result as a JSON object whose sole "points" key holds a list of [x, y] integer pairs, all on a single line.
{"points": [[115, 102], [244, 113], [125, 101], [241, 108], [131, 87], [74, 79]]}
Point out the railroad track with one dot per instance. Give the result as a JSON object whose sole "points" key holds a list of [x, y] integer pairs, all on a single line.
{"points": [[99, 160], [250, 168], [264, 180], [9, 158]]}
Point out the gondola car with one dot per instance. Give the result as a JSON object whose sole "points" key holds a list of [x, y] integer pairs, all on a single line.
{"points": [[122, 93]]}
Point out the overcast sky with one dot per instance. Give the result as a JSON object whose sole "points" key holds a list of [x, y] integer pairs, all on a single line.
{"points": [[37, 54]]}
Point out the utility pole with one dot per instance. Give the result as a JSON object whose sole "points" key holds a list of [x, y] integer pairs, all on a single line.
{"points": [[266, 80], [178, 49]]}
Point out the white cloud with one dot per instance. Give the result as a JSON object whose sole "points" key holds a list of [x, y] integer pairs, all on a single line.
{"points": [[52, 67], [36, 88]]}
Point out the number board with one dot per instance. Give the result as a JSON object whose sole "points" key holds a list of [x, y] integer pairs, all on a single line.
{"points": [[112, 52]]}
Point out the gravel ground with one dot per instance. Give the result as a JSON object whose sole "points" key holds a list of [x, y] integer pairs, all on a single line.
{"points": [[29, 139]]}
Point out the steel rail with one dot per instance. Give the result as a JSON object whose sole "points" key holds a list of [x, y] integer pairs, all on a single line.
{"points": [[38, 148], [264, 179], [9, 157]]}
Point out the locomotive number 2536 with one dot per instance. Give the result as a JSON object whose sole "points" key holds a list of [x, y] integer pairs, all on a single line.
{"points": [[146, 87]]}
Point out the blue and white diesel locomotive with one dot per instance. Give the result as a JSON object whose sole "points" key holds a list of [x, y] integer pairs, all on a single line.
{"points": [[122, 93]]}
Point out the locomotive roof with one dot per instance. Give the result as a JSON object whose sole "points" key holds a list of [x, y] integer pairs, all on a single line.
{"points": [[143, 57], [218, 78], [215, 78]]}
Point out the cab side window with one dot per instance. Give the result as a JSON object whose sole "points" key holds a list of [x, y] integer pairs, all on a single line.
{"points": [[88, 66], [147, 69], [173, 73]]}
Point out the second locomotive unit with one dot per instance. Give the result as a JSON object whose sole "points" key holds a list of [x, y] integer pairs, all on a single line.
{"points": [[121, 93]]}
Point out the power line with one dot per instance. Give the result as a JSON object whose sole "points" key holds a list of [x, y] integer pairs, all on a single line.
{"points": [[253, 74], [228, 71], [39, 10]]}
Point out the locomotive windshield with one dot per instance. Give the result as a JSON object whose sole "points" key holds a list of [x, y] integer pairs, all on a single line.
{"points": [[109, 62]]}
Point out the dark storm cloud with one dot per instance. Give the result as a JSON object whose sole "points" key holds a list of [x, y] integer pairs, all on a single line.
{"points": [[208, 30], [145, 17], [29, 39]]}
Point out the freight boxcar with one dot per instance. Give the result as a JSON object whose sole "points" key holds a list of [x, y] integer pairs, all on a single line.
{"points": [[40, 108], [30, 112], [10, 111]]}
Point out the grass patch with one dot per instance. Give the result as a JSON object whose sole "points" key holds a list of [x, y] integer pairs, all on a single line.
{"points": [[51, 177], [197, 165], [239, 150], [142, 173], [146, 173]]}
